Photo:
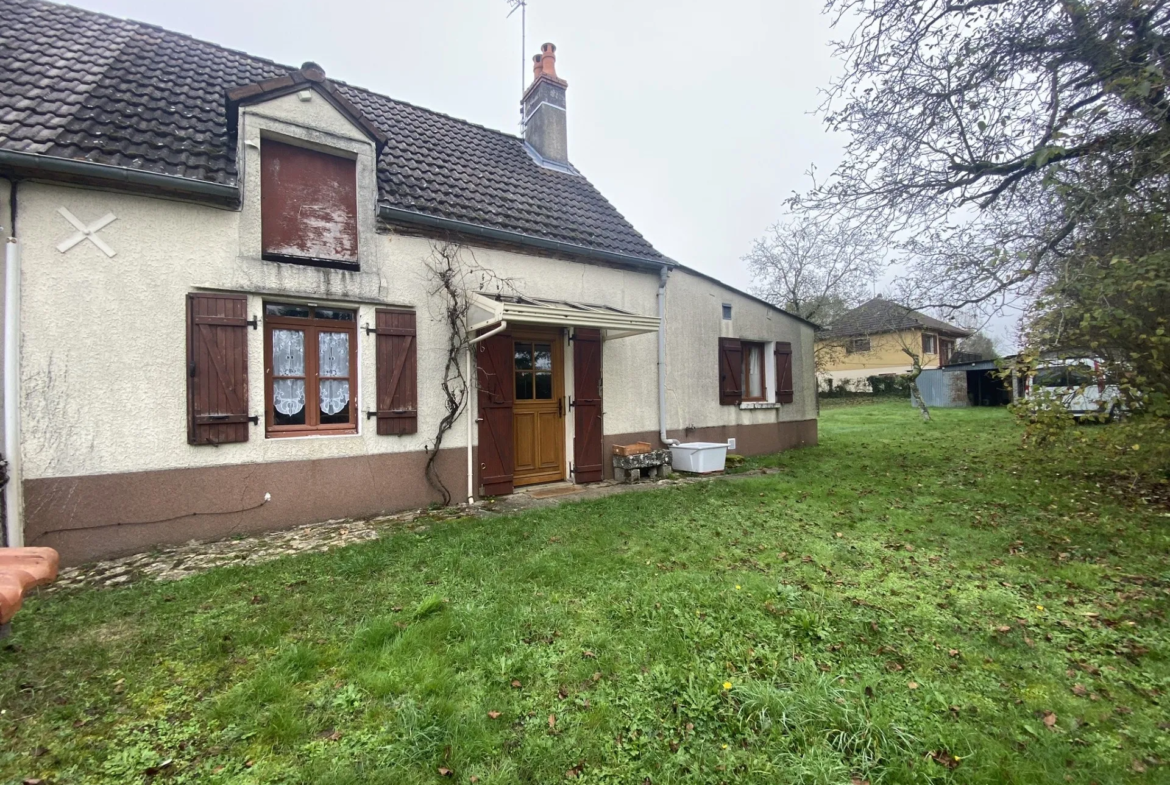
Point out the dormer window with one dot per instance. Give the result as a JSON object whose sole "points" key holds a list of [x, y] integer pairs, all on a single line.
{"points": [[308, 206]]}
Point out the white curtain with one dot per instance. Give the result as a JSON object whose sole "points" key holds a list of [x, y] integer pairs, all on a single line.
{"points": [[755, 380], [288, 359], [333, 357]]}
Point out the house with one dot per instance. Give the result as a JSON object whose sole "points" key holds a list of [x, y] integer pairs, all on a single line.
{"points": [[873, 340], [229, 294]]}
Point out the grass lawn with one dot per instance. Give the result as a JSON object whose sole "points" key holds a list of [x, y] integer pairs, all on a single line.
{"points": [[905, 603]]}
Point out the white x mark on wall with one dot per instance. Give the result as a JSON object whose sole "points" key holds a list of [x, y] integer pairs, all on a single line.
{"points": [[86, 232]]}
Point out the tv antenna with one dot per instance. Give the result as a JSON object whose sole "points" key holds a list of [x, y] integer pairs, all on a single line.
{"points": [[522, 5]]}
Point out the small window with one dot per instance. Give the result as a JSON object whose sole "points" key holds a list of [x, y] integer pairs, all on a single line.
{"points": [[857, 345], [727, 311], [310, 370], [308, 206], [534, 371], [754, 388], [929, 344]]}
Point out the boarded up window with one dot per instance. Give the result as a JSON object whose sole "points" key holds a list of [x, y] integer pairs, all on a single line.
{"points": [[397, 368], [783, 372], [217, 368], [308, 206], [730, 371]]}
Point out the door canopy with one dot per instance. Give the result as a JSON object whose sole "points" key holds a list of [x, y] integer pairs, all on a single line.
{"points": [[489, 309]]}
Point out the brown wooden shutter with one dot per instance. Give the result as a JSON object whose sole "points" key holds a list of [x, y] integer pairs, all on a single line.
{"points": [[308, 205], [783, 372], [730, 371], [397, 370], [495, 393], [217, 368], [587, 448]]}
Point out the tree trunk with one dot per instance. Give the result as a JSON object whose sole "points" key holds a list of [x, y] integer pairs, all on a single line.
{"points": [[915, 393]]}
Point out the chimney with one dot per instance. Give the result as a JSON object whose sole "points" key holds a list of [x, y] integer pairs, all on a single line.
{"points": [[545, 126]]}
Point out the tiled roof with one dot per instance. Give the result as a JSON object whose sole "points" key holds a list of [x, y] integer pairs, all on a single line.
{"points": [[80, 85], [880, 315]]}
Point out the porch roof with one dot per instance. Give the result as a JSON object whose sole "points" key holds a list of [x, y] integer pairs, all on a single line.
{"points": [[488, 309]]}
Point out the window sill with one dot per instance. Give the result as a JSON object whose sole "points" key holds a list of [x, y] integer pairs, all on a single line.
{"points": [[310, 434], [759, 405], [305, 261]]}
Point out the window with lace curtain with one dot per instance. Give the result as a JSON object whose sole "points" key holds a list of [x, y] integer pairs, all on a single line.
{"points": [[310, 369]]}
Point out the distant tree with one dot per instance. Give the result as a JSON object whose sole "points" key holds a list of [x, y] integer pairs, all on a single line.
{"points": [[992, 135], [979, 344], [815, 268]]}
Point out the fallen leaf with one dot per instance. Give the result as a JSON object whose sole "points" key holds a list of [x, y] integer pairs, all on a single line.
{"points": [[516, 684], [1138, 766], [1079, 690], [953, 652], [1003, 628], [552, 721], [944, 758], [913, 685], [473, 779], [589, 655], [495, 715], [444, 771], [1049, 719]]}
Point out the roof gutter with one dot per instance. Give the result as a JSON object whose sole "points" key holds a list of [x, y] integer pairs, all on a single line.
{"points": [[59, 168], [475, 230]]}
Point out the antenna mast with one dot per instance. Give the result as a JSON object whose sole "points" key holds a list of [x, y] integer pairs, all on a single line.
{"points": [[523, 6]]}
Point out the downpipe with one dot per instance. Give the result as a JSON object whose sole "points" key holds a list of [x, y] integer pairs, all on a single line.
{"points": [[471, 388], [14, 493], [663, 272]]}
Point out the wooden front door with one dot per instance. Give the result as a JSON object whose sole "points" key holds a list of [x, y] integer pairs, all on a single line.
{"points": [[538, 425]]}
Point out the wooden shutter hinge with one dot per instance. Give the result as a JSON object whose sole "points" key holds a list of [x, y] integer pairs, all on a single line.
{"points": [[254, 323], [254, 419], [369, 331]]}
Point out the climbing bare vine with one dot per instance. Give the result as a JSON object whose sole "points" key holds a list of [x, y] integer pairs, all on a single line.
{"points": [[453, 275]]}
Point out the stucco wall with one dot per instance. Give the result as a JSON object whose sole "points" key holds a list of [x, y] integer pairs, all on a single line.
{"points": [[694, 324]]}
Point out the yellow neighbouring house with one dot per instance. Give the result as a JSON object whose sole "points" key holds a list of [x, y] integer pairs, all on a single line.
{"points": [[873, 340]]}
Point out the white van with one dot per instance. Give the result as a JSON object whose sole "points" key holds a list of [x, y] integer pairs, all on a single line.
{"points": [[1080, 385]]}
